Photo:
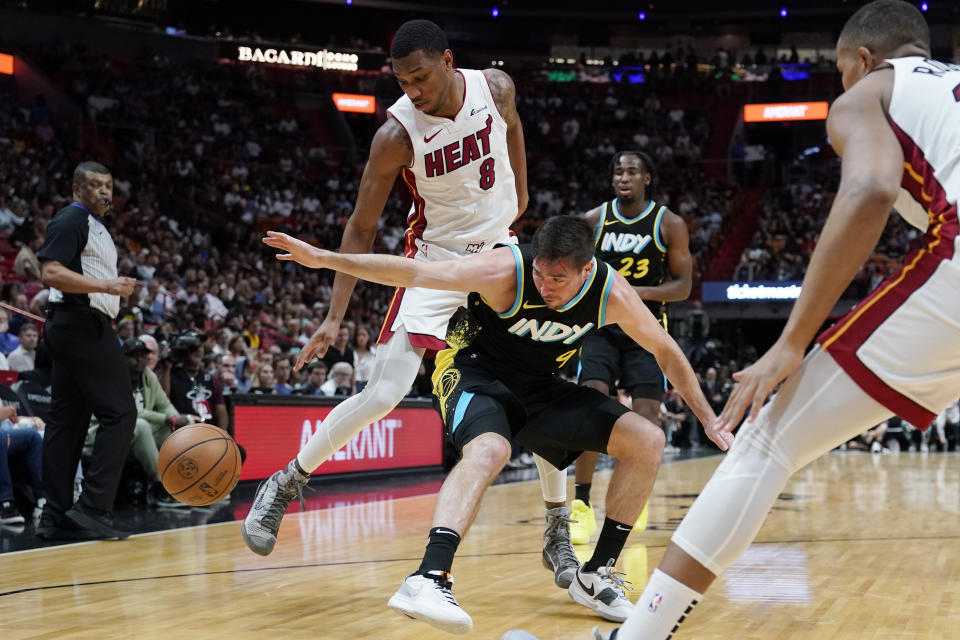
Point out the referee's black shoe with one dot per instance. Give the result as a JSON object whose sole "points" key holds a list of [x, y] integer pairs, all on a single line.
{"points": [[100, 523], [54, 529]]}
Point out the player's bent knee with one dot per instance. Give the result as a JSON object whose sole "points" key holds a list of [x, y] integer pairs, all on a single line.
{"points": [[383, 397], [636, 438], [490, 451]]}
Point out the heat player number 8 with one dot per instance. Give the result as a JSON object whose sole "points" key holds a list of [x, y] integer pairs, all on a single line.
{"points": [[487, 175]]}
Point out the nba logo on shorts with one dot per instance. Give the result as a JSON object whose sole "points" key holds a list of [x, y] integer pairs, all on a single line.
{"points": [[655, 603]]}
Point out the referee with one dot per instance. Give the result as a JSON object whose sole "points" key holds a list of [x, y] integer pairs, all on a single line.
{"points": [[90, 373]]}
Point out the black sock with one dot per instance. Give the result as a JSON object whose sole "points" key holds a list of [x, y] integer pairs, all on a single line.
{"points": [[296, 465], [441, 547], [609, 545], [582, 491]]}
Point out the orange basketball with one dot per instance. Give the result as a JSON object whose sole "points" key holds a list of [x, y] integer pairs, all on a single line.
{"points": [[199, 464]]}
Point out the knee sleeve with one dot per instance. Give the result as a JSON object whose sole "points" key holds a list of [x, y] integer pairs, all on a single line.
{"points": [[553, 481], [394, 371]]}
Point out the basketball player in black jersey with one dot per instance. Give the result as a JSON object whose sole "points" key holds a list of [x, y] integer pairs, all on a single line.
{"points": [[529, 312], [649, 245]]}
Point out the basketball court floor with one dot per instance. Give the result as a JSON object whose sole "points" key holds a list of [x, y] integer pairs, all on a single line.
{"points": [[859, 546]]}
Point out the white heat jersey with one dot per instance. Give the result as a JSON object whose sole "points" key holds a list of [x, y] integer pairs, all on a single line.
{"points": [[463, 187], [901, 344], [925, 110]]}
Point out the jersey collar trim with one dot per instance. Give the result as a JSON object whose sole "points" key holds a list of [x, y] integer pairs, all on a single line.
{"points": [[584, 288], [643, 214]]}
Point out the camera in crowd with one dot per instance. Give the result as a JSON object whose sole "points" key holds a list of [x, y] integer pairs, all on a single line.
{"points": [[181, 347]]}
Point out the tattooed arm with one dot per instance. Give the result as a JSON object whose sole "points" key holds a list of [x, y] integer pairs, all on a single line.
{"points": [[504, 94]]}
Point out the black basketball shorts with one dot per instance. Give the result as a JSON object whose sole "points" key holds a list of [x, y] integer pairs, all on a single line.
{"points": [[551, 417], [611, 356]]}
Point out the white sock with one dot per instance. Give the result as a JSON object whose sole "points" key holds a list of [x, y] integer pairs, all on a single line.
{"points": [[664, 604]]}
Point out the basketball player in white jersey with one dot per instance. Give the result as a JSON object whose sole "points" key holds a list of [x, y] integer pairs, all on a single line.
{"points": [[897, 128], [456, 140]]}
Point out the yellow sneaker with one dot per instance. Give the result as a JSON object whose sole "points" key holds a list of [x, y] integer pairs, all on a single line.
{"points": [[584, 522], [641, 523]]}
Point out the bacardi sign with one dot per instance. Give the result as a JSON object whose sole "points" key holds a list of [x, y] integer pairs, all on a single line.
{"points": [[322, 59]]}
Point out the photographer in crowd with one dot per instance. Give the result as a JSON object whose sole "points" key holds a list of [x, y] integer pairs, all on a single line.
{"points": [[194, 390]]}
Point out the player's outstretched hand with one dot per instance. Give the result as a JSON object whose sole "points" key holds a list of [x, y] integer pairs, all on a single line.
{"points": [[319, 341], [296, 250], [756, 382], [719, 437]]}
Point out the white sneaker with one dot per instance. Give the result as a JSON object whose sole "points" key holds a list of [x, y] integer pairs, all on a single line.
{"points": [[429, 598], [602, 591]]}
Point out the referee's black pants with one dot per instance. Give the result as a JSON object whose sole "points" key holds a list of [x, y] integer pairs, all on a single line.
{"points": [[90, 375]]}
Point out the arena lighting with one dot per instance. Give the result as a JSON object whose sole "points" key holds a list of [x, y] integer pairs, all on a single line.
{"points": [[495, 12], [6, 64], [641, 16], [785, 111], [924, 6], [355, 103], [783, 12], [349, 2]]}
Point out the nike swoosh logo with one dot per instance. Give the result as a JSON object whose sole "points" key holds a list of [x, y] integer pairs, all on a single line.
{"points": [[533, 306], [624, 528], [610, 222], [584, 587], [436, 133]]}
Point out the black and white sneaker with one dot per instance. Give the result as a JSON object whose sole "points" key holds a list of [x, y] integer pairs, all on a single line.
{"points": [[558, 554], [9, 514], [429, 598], [602, 591]]}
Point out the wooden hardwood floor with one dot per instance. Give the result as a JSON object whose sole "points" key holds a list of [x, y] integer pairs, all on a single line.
{"points": [[858, 547]]}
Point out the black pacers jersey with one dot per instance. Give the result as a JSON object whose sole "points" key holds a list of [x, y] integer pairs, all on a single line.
{"points": [[634, 247], [529, 340]]}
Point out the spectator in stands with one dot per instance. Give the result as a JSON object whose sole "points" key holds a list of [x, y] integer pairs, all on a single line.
{"points": [[17, 441], [316, 378], [26, 263], [227, 371], [23, 358], [8, 341], [194, 390], [126, 329], [251, 335], [340, 382], [282, 369], [152, 302], [712, 389], [153, 349], [263, 380], [156, 419], [9, 221], [364, 354], [221, 341], [339, 351]]}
